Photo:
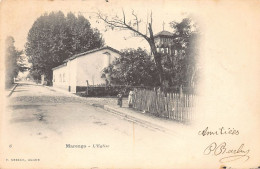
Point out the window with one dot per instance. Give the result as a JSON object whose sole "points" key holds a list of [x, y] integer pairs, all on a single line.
{"points": [[60, 78], [64, 77], [53, 78]]}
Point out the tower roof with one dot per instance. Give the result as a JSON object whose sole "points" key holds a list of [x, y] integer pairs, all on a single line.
{"points": [[163, 33]]}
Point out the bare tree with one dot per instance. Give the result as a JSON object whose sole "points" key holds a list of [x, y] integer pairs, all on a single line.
{"points": [[133, 25]]}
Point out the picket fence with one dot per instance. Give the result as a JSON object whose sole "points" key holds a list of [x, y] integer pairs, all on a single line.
{"points": [[175, 106]]}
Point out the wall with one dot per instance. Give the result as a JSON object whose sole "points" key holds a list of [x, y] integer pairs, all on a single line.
{"points": [[72, 71], [90, 66], [79, 70], [60, 78]]}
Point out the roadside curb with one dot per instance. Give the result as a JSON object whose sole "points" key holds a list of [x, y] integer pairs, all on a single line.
{"points": [[12, 90], [110, 109], [139, 121], [61, 91]]}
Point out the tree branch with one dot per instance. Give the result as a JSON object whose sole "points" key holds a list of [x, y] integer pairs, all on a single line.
{"points": [[151, 16], [121, 24], [136, 19], [123, 15]]}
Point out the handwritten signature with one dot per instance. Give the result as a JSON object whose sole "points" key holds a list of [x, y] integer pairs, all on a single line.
{"points": [[232, 154]]}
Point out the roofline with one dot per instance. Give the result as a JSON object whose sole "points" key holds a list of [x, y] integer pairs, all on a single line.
{"points": [[163, 35], [62, 65], [92, 51], [159, 34]]}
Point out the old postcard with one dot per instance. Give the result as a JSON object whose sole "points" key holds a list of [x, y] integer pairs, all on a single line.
{"points": [[130, 84]]}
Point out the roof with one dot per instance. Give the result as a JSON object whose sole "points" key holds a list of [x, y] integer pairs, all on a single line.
{"points": [[163, 33], [92, 51], [64, 64]]}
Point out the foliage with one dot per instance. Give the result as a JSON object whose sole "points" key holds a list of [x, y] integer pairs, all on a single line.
{"points": [[133, 24], [13, 61], [182, 67], [55, 37], [133, 67], [179, 68]]}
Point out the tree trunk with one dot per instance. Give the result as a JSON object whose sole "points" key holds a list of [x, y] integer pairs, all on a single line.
{"points": [[157, 56], [158, 62]]}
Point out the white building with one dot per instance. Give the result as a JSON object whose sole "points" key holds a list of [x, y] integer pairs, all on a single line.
{"points": [[83, 68]]}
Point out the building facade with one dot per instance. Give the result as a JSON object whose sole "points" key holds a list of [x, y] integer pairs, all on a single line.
{"points": [[164, 42], [84, 69]]}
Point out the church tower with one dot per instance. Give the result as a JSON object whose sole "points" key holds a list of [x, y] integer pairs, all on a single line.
{"points": [[164, 42]]}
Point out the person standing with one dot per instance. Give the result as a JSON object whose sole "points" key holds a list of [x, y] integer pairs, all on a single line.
{"points": [[130, 98], [119, 99]]}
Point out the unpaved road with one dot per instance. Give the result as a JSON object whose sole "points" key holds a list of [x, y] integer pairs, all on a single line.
{"points": [[39, 123]]}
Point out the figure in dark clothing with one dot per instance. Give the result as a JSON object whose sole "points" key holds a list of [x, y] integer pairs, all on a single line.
{"points": [[120, 98]]}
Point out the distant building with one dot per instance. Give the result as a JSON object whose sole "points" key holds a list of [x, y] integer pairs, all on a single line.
{"points": [[82, 69], [164, 42]]}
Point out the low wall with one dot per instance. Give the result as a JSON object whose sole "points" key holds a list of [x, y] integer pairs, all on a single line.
{"points": [[100, 91], [63, 87]]}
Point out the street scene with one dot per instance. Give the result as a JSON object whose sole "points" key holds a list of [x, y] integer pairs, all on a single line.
{"points": [[50, 119], [117, 85], [40, 105], [129, 84]]}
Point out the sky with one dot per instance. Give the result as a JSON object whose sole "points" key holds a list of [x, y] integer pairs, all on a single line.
{"points": [[19, 16]]}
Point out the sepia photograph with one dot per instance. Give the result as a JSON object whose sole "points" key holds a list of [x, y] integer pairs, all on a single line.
{"points": [[129, 84]]}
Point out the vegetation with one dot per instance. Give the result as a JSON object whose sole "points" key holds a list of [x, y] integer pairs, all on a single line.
{"points": [[135, 67], [13, 61], [124, 23], [182, 67], [55, 37]]}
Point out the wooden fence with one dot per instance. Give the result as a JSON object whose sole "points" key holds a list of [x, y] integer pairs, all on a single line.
{"points": [[175, 106]]}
